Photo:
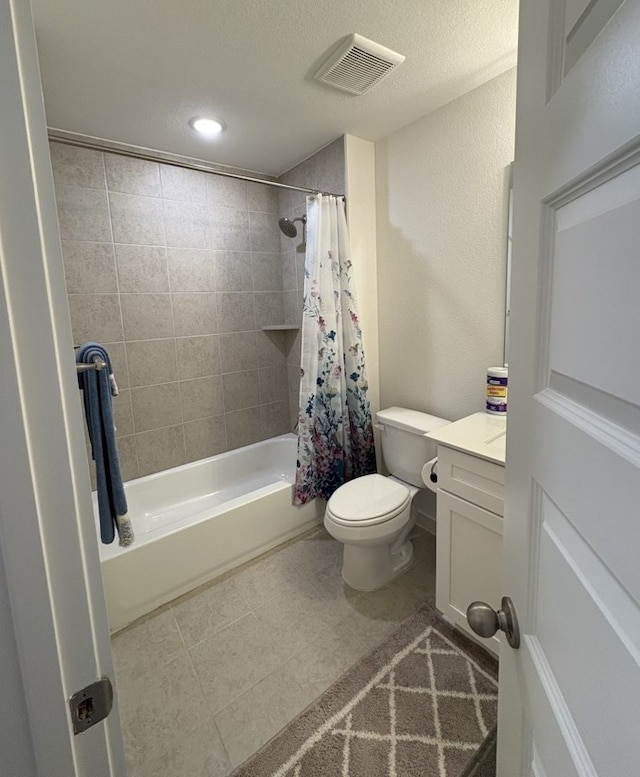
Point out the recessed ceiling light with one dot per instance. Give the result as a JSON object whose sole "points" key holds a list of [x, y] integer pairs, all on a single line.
{"points": [[208, 128]]}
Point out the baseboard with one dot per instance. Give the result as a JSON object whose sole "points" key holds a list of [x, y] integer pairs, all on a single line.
{"points": [[426, 522]]}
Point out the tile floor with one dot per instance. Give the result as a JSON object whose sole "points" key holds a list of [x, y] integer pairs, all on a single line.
{"points": [[205, 681]]}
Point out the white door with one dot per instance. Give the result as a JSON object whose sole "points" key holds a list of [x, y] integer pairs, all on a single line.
{"points": [[569, 698], [47, 537]]}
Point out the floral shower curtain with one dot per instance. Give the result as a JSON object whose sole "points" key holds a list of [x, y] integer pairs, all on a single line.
{"points": [[335, 432]]}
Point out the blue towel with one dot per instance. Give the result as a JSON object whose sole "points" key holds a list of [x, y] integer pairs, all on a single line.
{"points": [[98, 387]]}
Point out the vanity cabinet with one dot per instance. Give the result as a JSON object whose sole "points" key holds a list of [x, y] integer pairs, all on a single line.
{"points": [[469, 517]]}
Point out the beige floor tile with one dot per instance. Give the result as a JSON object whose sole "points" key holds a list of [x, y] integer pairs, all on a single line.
{"points": [[166, 725], [314, 553], [209, 609], [319, 665], [269, 577], [233, 660], [295, 619], [414, 585], [148, 644], [290, 606], [252, 719], [376, 614]]}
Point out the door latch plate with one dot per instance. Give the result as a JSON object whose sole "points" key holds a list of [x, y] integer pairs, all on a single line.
{"points": [[91, 705]]}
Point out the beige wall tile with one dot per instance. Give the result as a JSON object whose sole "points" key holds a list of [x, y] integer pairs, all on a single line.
{"points": [[229, 229], [238, 351], [201, 397], [132, 176], [294, 349], [243, 427], [294, 409], [233, 270], [181, 184], [77, 166], [293, 379], [128, 457], [205, 437], [142, 268], [289, 279], [186, 224], [122, 413], [269, 307], [241, 389], [235, 311], [191, 269], [275, 419], [273, 384], [261, 198], [95, 317], [195, 313], [293, 307], [156, 406], [299, 260], [137, 219], [89, 267], [124, 282], [119, 365], [83, 214], [160, 449], [198, 356], [147, 316], [267, 272], [272, 348], [152, 362], [226, 192], [264, 232]]}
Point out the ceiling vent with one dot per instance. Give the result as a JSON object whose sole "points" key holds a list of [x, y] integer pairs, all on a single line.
{"points": [[358, 64]]}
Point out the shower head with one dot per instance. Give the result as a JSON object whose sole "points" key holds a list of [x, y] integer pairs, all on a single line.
{"points": [[288, 226]]}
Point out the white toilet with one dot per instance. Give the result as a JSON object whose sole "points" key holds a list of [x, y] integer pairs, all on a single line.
{"points": [[371, 515]]}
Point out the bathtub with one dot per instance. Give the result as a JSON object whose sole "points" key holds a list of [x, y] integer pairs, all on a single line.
{"points": [[196, 521]]}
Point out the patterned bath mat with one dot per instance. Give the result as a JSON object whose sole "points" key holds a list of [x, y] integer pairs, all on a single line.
{"points": [[418, 706]]}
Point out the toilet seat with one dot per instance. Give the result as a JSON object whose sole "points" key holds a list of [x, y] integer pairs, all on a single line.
{"points": [[367, 501]]}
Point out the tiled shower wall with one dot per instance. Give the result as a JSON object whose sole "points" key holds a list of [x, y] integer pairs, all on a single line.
{"points": [[176, 271], [324, 171]]}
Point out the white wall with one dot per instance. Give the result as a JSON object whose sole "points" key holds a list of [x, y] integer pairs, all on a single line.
{"points": [[441, 225], [361, 214]]}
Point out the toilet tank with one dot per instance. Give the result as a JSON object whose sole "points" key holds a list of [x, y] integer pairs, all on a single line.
{"points": [[405, 449]]}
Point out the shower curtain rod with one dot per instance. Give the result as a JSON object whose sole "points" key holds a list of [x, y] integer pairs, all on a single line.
{"points": [[60, 136]]}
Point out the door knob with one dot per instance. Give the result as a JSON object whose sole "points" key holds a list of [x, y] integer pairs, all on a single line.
{"points": [[485, 621]]}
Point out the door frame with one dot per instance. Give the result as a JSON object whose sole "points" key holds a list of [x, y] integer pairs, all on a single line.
{"points": [[47, 533]]}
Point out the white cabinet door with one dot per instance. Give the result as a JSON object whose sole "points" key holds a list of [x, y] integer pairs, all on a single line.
{"points": [[569, 696], [47, 534], [468, 560]]}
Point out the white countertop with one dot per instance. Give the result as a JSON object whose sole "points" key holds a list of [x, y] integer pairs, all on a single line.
{"points": [[480, 434]]}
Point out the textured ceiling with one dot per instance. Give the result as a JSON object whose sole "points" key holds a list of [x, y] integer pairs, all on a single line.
{"points": [[135, 71]]}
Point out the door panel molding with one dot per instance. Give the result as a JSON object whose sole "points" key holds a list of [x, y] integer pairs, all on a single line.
{"points": [[563, 739]]}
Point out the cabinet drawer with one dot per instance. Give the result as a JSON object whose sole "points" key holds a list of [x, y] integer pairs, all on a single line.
{"points": [[477, 480]]}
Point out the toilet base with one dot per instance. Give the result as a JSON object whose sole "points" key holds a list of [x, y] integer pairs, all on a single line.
{"points": [[368, 568]]}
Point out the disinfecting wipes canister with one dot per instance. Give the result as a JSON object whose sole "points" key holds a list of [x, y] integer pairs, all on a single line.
{"points": [[497, 379]]}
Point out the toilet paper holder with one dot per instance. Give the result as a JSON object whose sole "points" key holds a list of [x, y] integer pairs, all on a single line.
{"points": [[430, 474]]}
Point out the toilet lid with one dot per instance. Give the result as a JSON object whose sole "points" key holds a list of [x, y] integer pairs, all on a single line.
{"points": [[368, 498]]}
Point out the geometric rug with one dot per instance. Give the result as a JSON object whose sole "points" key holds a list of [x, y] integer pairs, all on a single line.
{"points": [[420, 705]]}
